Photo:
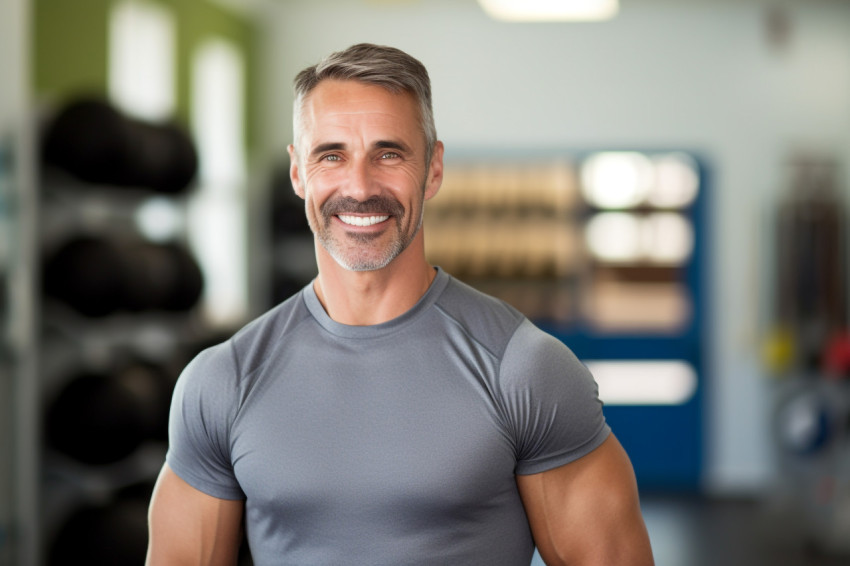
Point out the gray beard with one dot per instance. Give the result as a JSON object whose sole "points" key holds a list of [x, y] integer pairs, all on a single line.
{"points": [[361, 259]]}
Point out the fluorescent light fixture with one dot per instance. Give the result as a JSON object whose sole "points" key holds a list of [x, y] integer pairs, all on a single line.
{"points": [[662, 238], [639, 382], [667, 238], [550, 10], [617, 179], [615, 237], [676, 181]]}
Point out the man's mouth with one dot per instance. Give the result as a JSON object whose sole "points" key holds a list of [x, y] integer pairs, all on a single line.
{"points": [[352, 220]]}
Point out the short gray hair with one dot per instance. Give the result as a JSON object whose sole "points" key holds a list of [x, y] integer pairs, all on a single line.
{"points": [[387, 67]]}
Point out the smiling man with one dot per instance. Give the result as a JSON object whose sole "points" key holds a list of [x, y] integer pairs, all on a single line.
{"points": [[366, 193], [387, 413]]}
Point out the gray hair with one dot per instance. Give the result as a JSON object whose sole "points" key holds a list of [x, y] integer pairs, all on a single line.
{"points": [[387, 67]]}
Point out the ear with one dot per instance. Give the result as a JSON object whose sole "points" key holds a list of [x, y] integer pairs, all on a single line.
{"points": [[294, 173], [435, 171]]}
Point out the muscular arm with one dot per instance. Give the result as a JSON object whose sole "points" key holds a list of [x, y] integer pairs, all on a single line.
{"points": [[189, 527], [587, 513]]}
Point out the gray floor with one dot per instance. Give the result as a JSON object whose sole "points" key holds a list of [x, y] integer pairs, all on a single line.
{"points": [[688, 530], [698, 531]]}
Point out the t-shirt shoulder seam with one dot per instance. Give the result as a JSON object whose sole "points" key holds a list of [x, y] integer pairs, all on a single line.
{"points": [[498, 392], [266, 355], [241, 377], [498, 383], [514, 337], [471, 335]]}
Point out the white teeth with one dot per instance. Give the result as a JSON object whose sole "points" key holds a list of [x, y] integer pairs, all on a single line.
{"points": [[361, 220]]}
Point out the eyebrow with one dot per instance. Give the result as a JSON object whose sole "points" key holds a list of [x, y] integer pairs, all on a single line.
{"points": [[380, 144], [391, 145], [323, 147]]}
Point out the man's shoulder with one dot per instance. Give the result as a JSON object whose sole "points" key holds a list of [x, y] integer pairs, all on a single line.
{"points": [[489, 320], [251, 343], [224, 369], [276, 319]]}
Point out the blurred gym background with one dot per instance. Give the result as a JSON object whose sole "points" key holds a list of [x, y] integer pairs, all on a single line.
{"points": [[662, 185]]}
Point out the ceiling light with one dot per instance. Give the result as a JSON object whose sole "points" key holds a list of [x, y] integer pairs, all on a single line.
{"points": [[550, 10]]}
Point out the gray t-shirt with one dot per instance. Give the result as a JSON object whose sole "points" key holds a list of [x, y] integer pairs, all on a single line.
{"points": [[384, 445]]}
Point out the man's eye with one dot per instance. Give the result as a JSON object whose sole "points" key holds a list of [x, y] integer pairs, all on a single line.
{"points": [[390, 155], [331, 157]]}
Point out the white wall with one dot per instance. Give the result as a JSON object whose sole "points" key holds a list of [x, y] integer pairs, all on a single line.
{"points": [[698, 75]]}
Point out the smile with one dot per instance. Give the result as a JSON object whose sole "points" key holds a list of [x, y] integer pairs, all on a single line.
{"points": [[361, 220]]}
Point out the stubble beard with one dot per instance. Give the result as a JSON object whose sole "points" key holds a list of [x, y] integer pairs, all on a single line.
{"points": [[364, 252]]}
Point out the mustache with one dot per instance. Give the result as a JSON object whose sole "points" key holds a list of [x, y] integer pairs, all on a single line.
{"points": [[377, 204]]}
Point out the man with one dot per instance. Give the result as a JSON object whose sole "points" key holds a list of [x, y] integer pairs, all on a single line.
{"points": [[387, 413]]}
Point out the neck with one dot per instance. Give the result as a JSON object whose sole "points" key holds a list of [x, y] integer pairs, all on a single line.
{"points": [[364, 298]]}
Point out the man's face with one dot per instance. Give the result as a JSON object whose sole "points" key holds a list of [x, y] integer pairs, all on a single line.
{"points": [[360, 166]]}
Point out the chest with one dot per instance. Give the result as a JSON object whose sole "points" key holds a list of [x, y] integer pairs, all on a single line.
{"points": [[395, 437]]}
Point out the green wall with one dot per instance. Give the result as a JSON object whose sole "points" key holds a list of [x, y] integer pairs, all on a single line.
{"points": [[70, 48]]}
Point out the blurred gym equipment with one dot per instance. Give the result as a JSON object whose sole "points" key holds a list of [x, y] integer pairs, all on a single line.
{"points": [[100, 418], [105, 534], [98, 277], [96, 143]]}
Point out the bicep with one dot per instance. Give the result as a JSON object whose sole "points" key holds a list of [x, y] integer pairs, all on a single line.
{"points": [[188, 526], [587, 512]]}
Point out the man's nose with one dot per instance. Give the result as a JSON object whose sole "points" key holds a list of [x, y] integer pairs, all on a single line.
{"points": [[361, 182]]}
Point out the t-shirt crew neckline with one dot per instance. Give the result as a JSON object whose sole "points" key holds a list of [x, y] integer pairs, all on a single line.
{"points": [[373, 331]]}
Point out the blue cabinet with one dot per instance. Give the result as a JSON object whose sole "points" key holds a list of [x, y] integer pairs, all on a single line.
{"points": [[664, 435]]}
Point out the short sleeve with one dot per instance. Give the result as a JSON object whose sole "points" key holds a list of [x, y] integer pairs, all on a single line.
{"points": [[551, 400], [203, 408]]}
